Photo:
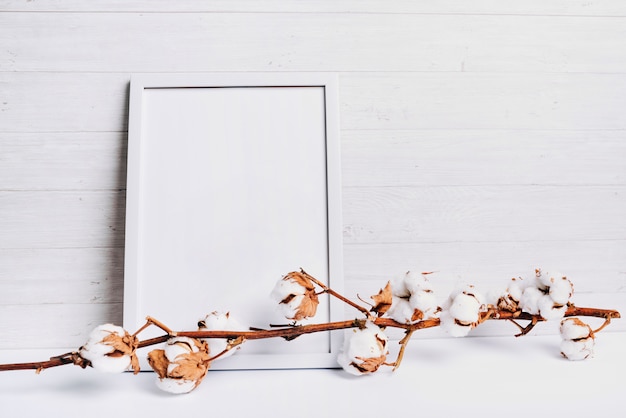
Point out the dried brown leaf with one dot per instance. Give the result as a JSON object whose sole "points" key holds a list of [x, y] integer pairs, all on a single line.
{"points": [[382, 300]]}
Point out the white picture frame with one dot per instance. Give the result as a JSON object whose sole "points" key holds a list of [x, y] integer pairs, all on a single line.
{"points": [[233, 180]]}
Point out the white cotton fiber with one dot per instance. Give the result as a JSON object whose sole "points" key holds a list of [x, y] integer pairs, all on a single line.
{"points": [[282, 291], [465, 308], [549, 310], [516, 288], [364, 350], [577, 349], [400, 310], [217, 321], [425, 301], [561, 291], [574, 329], [530, 300], [97, 351], [176, 386], [454, 329]]}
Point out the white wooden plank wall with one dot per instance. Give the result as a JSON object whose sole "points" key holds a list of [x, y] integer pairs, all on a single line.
{"points": [[479, 139]]}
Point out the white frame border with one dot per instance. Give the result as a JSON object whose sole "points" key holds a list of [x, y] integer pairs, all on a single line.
{"points": [[132, 269]]}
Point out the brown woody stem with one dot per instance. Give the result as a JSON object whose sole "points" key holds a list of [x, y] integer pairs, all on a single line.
{"points": [[403, 342], [68, 358], [335, 294]]}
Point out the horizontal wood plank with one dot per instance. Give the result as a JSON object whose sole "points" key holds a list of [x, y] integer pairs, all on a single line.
{"points": [[63, 102], [483, 213], [487, 157], [68, 275], [371, 215], [63, 161], [309, 42], [483, 101], [593, 266], [97, 161], [62, 219], [98, 102], [552, 7], [53, 325]]}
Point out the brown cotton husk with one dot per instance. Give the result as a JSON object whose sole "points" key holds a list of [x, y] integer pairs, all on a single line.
{"points": [[192, 366], [382, 300], [158, 362], [508, 303], [370, 364], [417, 315], [123, 346], [308, 305], [301, 279]]}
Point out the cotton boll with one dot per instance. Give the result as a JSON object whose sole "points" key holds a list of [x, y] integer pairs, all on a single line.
{"points": [[575, 329], [179, 346], [108, 364], [110, 349], [546, 279], [550, 310], [399, 288], [561, 290], [530, 300], [517, 286], [296, 297], [577, 349], [181, 365], [543, 279], [426, 302], [216, 321], [510, 299], [290, 309], [556, 313], [461, 311], [416, 282], [284, 288], [465, 308], [413, 299], [364, 350], [578, 339], [401, 310]]}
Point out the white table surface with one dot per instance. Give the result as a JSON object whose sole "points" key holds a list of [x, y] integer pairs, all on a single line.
{"points": [[494, 376]]}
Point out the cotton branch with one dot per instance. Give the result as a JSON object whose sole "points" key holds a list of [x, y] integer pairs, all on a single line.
{"points": [[124, 345], [292, 332], [69, 358]]}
